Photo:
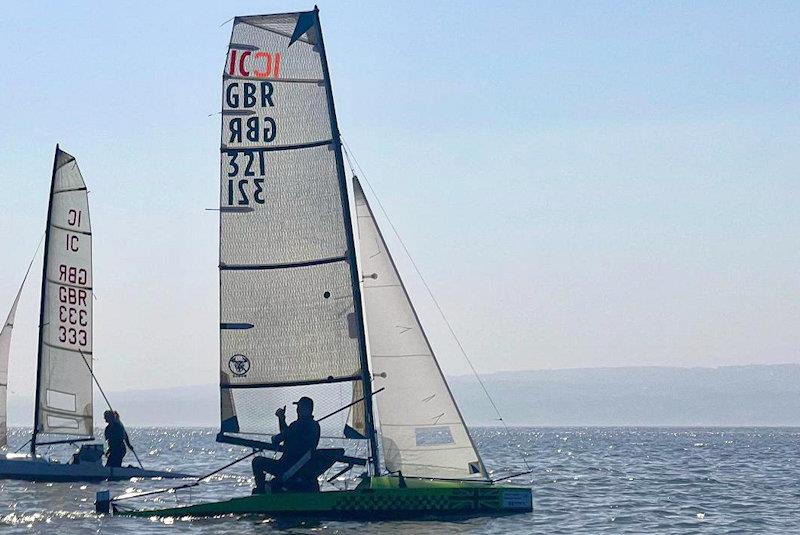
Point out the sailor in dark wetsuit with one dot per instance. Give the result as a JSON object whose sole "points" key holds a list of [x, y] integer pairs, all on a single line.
{"points": [[299, 438], [117, 437]]}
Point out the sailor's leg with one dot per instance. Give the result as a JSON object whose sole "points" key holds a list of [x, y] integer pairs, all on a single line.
{"points": [[263, 466], [115, 458]]}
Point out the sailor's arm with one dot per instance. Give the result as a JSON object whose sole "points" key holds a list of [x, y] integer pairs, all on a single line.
{"points": [[281, 414], [128, 441]]}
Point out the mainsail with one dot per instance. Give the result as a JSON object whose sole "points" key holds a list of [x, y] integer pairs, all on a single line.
{"points": [[421, 428], [290, 308], [64, 382]]}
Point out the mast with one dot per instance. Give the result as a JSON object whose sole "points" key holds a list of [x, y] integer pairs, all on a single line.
{"points": [[355, 276], [41, 306]]}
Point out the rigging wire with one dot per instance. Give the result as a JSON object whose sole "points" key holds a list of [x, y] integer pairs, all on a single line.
{"points": [[348, 154], [91, 372]]}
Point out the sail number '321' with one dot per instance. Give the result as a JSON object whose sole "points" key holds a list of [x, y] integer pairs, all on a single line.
{"points": [[242, 190]]}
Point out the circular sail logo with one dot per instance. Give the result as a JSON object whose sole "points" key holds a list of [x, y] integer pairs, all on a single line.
{"points": [[239, 365]]}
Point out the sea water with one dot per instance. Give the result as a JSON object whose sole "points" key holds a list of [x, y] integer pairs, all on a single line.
{"points": [[584, 480]]}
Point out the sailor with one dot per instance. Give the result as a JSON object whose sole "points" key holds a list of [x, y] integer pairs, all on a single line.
{"points": [[299, 438], [117, 437]]}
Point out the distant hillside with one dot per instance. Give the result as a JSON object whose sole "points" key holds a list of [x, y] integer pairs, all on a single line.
{"points": [[644, 396]]}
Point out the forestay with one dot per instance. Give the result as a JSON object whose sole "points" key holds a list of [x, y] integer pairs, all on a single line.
{"points": [[64, 388], [421, 428], [288, 324]]}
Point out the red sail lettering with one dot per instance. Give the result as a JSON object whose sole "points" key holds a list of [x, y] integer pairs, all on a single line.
{"points": [[242, 57], [231, 69], [267, 64]]}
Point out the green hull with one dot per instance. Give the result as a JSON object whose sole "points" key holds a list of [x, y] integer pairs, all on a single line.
{"points": [[380, 498]]}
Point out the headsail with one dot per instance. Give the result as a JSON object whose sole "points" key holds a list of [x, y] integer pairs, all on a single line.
{"points": [[64, 384], [290, 322], [5, 348], [5, 351], [421, 428]]}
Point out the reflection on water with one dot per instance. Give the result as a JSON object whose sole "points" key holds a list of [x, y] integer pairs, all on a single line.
{"points": [[585, 481]]}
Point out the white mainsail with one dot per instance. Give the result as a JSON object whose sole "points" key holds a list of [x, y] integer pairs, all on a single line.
{"points": [[5, 349], [289, 323], [64, 382], [421, 428]]}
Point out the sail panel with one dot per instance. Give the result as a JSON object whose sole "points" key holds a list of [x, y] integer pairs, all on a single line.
{"points": [[274, 111], [254, 407], [292, 207], [422, 431], [287, 315], [65, 383], [298, 324]]}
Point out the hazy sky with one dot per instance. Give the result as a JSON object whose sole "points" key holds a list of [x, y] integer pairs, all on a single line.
{"points": [[586, 184]]}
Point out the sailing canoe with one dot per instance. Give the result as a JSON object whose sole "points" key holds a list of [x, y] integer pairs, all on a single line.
{"points": [[378, 497]]}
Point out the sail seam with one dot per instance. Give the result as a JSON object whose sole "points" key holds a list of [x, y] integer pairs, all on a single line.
{"points": [[59, 227], [439, 424], [68, 190], [61, 412], [309, 145], [69, 285], [307, 263], [67, 162], [434, 448], [400, 356], [294, 383], [67, 348], [288, 80]]}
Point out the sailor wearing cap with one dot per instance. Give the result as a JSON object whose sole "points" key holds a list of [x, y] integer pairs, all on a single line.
{"points": [[298, 438]]}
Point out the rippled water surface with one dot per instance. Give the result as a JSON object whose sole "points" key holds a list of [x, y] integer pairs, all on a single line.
{"points": [[585, 480]]}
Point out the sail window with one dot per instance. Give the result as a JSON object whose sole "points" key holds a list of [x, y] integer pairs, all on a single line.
{"points": [[255, 407], [58, 424], [433, 436], [61, 401]]}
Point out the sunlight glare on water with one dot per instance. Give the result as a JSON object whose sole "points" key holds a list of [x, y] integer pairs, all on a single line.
{"points": [[585, 480]]}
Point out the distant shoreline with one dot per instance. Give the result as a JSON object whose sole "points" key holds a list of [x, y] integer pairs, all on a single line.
{"points": [[755, 396]]}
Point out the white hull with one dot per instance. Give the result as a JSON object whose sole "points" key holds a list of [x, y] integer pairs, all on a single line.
{"points": [[25, 467]]}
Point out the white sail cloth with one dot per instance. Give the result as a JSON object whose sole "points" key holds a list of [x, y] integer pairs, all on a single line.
{"points": [[286, 298], [421, 428], [5, 349], [65, 382]]}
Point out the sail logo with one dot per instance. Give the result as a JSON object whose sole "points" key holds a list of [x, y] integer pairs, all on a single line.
{"points": [[239, 365], [254, 63]]}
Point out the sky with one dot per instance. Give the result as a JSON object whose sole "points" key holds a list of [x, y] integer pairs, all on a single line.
{"points": [[581, 184]]}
